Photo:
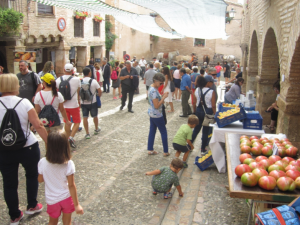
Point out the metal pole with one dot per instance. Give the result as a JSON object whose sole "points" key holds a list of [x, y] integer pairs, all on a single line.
{"points": [[250, 212]]}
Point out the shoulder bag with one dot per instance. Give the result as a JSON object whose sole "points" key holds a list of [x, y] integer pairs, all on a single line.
{"points": [[208, 119]]}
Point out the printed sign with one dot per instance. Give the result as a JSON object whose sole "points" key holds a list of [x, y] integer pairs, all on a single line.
{"points": [[39, 55], [29, 57]]}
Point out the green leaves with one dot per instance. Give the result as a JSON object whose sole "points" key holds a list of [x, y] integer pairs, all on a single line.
{"points": [[109, 37], [9, 21]]}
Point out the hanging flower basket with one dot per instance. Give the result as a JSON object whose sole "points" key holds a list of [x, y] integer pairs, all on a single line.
{"points": [[98, 18], [81, 15]]}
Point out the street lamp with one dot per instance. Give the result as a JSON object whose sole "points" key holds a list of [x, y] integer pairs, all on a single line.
{"points": [[232, 13]]}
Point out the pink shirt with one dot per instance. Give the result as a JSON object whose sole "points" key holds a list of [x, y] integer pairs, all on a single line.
{"points": [[218, 68], [176, 74]]}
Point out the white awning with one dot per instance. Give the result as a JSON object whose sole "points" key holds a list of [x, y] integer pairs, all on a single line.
{"points": [[145, 24], [192, 18]]}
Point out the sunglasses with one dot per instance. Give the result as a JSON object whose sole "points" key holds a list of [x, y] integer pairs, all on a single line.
{"points": [[214, 74]]}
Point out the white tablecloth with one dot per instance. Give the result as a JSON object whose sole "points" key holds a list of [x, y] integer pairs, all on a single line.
{"points": [[218, 136]]}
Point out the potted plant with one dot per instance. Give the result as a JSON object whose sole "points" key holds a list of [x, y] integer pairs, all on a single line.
{"points": [[98, 18], [81, 15]]}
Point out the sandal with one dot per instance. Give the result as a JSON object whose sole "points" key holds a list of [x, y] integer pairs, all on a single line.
{"points": [[152, 152], [170, 111], [167, 195], [166, 154], [271, 128]]}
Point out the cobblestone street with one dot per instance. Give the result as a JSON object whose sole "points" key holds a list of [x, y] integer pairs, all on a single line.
{"points": [[111, 182]]}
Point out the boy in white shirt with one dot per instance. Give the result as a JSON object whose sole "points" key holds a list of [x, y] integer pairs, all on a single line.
{"points": [[72, 106], [90, 107]]}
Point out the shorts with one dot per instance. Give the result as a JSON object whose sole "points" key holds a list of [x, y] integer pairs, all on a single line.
{"points": [[65, 206], [177, 83], [227, 75], [147, 87], [75, 113], [60, 127], [89, 109], [180, 148], [219, 74]]}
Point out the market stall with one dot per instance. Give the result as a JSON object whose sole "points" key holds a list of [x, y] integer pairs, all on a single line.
{"points": [[238, 190], [218, 137]]}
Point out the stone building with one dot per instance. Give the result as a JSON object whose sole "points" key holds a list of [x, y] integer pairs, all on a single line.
{"points": [[79, 41], [271, 44], [140, 44]]}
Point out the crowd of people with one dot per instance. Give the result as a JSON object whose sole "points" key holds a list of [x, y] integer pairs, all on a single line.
{"points": [[47, 104]]}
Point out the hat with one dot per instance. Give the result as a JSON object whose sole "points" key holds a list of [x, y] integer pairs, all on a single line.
{"points": [[209, 78], [69, 67], [134, 56], [47, 78]]}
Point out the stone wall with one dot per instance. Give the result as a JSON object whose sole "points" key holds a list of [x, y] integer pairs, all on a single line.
{"points": [[41, 31], [273, 39]]}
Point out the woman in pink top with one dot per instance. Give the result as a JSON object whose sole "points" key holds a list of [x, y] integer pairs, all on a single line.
{"points": [[177, 81], [218, 68]]}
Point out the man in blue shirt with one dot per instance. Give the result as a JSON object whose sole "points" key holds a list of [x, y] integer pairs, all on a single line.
{"points": [[186, 91]]}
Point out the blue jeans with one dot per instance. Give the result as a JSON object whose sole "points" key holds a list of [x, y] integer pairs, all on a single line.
{"points": [[206, 132], [106, 82], [160, 124]]}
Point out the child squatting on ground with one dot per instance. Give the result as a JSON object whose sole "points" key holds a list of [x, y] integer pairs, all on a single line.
{"points": [[165, 177], [57, 171], [183, 136]]}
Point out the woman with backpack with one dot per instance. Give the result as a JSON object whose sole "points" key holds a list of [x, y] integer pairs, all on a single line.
{"points": [[205, 104], [167, 87], [48, 68], [18, 146], [115, 77], [52, 119]]}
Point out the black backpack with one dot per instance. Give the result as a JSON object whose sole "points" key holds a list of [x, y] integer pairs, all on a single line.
{"points": [[11, 132], [65, 88], [49, 116]]}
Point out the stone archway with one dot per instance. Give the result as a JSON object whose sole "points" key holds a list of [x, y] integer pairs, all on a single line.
{"points": [[268, 75], [253, 64], [289, 105]]}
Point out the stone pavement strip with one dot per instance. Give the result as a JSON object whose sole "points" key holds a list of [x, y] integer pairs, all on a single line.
{"points": [[111, 182]]}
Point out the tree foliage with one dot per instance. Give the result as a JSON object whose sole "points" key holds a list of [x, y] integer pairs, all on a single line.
{"points": [[109, 36], [9, 21]]}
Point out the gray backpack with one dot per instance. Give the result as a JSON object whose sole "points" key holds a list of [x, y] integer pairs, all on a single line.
{"points": [[85, 91]]}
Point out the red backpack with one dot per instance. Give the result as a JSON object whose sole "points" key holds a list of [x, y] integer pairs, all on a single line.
{"points": [[114, 75]]}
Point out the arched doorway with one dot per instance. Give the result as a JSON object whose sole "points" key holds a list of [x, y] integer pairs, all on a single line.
{"points": [[253, 64], [289, 105], [268, 76]]}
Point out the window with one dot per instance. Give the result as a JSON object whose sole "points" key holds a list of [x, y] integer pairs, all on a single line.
{"points": [[45, 9], [78, 27], [96, 28], [199, 42]]}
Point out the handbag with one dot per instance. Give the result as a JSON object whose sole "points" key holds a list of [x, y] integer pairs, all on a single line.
{"points": [[164, 113], [172, 86], [208, 119]]}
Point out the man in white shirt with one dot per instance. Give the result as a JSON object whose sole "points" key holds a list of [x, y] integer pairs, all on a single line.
{"points": [[72, 106], [143, 65], [90, 107]]}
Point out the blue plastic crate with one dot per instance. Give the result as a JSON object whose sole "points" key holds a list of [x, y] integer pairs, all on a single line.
{"points": [[205, 164], [221, 108], [253, 121], [246, 108], [230, 119]]}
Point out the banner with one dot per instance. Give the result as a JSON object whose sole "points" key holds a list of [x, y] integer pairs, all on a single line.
{"points": [[29, 57]]}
